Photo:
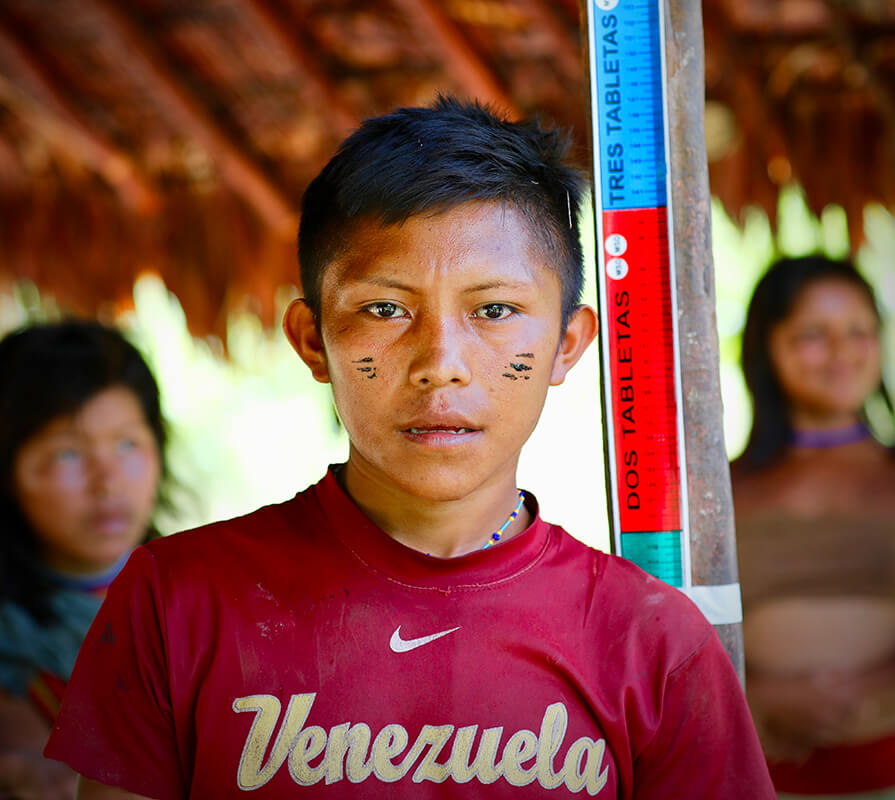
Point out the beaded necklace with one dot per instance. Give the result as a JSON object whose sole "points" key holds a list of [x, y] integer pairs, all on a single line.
{"points": [[834, 437], [495, 537]]}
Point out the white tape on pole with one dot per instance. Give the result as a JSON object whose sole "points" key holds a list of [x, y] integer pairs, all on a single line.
{"points": [[721, 605]]}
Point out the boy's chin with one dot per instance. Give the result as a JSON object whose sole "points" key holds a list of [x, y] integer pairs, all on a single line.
{"points": [[438, 484]]}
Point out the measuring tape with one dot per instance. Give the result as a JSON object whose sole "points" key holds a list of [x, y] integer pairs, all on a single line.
{"points": [[638, 299], [641, 370]]}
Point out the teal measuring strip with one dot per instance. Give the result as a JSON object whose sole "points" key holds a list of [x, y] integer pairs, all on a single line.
{"points": [[656, 552]]}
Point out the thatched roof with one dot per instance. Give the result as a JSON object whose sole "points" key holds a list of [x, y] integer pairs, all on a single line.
{"points": [[178, 135]]}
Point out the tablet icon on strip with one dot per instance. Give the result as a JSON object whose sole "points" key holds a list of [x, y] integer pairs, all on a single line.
{"points": [[616, 268], [616, 244]]}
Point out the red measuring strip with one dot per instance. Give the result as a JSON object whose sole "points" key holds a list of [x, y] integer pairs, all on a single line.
{"points": [[641, 360]]}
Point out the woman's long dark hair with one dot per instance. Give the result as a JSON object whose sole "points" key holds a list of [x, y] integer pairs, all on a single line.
{"points": [[772, 301], [47, 371]]}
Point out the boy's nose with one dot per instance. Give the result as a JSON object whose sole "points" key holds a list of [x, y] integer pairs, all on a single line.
{"points": [[439, 355]]}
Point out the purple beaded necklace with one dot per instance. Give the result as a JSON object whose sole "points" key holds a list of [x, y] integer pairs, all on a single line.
{"points": [[820, 439]]}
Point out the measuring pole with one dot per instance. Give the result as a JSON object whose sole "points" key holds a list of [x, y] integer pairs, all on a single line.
{"points": [[667, 473]]}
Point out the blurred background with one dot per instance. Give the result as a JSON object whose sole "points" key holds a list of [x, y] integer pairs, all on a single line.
{"points": [[153, 154]]}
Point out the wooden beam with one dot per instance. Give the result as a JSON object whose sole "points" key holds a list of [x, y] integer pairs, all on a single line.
{"points": [[572, 9], [49, 109], [566, 48], [325, 98], [143, 59], [12, 173], [463, 63], [879, 90]]}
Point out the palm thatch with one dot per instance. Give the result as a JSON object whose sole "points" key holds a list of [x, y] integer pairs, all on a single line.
{"points": [[176, 136]]}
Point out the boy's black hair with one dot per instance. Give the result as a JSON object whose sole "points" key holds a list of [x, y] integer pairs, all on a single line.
{"points": [[772, 301], [48, 371], [427, 160]]}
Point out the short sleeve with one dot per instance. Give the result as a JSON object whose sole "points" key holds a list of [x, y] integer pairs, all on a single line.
{"points": [[705, 745], [116, 723]]}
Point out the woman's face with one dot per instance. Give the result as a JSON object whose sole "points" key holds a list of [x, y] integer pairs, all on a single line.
{"points": [[826, 354], [87, 482]]}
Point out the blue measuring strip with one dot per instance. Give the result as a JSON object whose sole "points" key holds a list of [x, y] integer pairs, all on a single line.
{"points": [[629, 93]]}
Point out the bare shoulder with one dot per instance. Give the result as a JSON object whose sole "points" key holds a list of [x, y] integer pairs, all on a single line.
{"points": [[91, 790], [755, 490], [857, 480], [883, 464], [880, 476]]}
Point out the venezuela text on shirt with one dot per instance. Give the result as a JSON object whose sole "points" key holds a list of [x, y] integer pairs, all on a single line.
{"points": [[347, 753]]}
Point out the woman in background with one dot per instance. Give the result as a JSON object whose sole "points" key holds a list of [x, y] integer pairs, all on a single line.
{"points": [[82, 444], [814, 494]]}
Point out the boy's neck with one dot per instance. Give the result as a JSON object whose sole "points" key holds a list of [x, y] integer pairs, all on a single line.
{"points": [[444, 529]]}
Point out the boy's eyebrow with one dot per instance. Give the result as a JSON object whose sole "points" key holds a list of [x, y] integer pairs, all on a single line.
{"points": [[388, 283], [391, 283], [495, 284]]}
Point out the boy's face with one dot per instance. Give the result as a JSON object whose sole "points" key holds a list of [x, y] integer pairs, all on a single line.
{"points": [[440, 337]]}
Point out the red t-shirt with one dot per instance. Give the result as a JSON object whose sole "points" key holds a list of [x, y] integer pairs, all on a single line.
{"points": [[301, 649]]}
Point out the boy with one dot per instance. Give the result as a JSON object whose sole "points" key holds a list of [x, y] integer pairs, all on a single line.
{"points": [[409, 627]]}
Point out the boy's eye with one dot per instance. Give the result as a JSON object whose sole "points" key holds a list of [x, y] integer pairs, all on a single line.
{"points": [[494, 311], [385, 310]]}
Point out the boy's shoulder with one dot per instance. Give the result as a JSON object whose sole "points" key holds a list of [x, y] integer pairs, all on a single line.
{"points": [[634, 614], [265, 526], [653, 599], [616, 596], [628, 585]]}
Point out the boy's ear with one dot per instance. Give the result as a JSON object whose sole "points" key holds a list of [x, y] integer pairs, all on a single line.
{"points": [[300, 327], [580, 332]]}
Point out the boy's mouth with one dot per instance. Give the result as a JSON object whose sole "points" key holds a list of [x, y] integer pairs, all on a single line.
{"points": [[439, 429], [441, 434]]}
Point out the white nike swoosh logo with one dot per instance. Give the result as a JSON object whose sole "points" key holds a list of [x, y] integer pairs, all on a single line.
{"points": [[399, 645]]}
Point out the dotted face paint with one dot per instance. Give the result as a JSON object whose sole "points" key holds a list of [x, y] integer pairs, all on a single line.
{"points": [[519, 367], [367, 368]]}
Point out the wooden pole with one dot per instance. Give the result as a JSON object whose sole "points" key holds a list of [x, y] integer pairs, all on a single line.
{"points": [[712, 540], [688, 543]]}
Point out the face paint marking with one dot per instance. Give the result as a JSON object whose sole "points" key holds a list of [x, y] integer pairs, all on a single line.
{"points": [[369, 371], [520, 367], [525, 355], [510, 376]]}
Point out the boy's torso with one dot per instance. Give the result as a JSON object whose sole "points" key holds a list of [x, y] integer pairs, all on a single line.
{"points": [[305, 647]]}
